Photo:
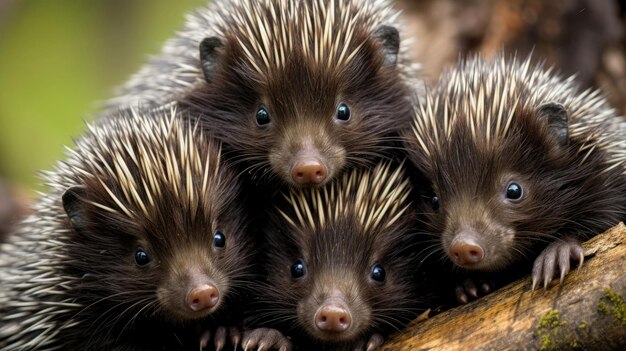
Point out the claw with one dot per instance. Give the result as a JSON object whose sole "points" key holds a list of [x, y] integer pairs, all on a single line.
{"points": [[375, 342], [549, 260], [486, 287], [285, 345], [470, 288], [556, 256], [536, 272], [461, 297], [220, 338], [204, 339], [579, 253], [564, 257], [235, 337], [250, 344], [264, 339]]}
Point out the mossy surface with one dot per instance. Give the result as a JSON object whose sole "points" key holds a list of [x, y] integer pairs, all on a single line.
{"points": [[613, 304], [553, 335], [548, 329], [576, 345]]}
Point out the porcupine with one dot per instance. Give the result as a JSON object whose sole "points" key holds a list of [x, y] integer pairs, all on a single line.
{"points": [[298, 90], [142, 232], [523, 164], [341, 263]]}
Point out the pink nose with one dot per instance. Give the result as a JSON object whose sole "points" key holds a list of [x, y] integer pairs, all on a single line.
{"points": [[203, 297], [333, 318], [465, 251], [309, 171]]}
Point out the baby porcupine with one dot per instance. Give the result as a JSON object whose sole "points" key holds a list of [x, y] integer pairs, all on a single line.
{"points": [[142, 232], [298, 91], [523, 166], [341, 262]]}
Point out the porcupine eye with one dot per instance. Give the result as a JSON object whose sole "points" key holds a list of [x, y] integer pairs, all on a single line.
{"points": [[262, 117], [434, 202], [298, 270], [378, 273], [141, 257], [343, 113], [514, 191], [219, 240]]}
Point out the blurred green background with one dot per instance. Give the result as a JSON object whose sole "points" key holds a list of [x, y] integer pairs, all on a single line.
{"points": [[58, 60]]}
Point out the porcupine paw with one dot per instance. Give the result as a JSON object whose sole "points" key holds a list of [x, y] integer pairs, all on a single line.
{"points": [[373, 343], [555, 257], [221, 336], [471, 289], [262, 339]]}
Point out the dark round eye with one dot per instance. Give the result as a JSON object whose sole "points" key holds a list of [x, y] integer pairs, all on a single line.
{"points": [[262, 117], [297, 270], [513, 191], [141, 257], [219, 240], [378, 273], [343, 112], [434, 202]]}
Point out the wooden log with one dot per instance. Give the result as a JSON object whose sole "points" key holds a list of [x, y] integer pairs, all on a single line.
{"points": [[587, 312]]}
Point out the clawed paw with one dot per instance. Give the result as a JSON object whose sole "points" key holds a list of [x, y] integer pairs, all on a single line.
{"points": [[470, 289], [220, 337], [263, 339], [556, 257], [373, 343]]}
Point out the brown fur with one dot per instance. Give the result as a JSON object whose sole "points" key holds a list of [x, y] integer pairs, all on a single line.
{"points": [[106, 300], [302, 97], [338, 257], [568, 191]]}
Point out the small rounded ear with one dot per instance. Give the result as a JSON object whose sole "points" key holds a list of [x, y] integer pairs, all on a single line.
{"points": [[209, 50], [389, 37], [556, 117], [73, 205]]}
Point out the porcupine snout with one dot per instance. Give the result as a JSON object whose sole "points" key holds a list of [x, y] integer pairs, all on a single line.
{"points": [[203, 297], [309, 171], [193, 294], [465, 249], [333, 315], [309, 168]]}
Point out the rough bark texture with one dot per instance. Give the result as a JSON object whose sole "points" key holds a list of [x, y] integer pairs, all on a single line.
{"points": [[587, 312]]}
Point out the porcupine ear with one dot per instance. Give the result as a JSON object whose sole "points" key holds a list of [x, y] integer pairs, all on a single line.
{"points": [[73, 205], [389, 37], [209, 50], [556, 117]]}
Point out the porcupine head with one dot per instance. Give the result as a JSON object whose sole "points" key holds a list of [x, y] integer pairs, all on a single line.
{"points": [[301, 90], [157, 225], [340, 261], [516, 163]]}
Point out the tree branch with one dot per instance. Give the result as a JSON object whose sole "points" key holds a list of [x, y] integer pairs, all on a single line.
{"points": [[586, 312]]}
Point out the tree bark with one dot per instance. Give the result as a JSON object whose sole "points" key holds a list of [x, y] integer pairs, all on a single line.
{"points": [[587, 312]]}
